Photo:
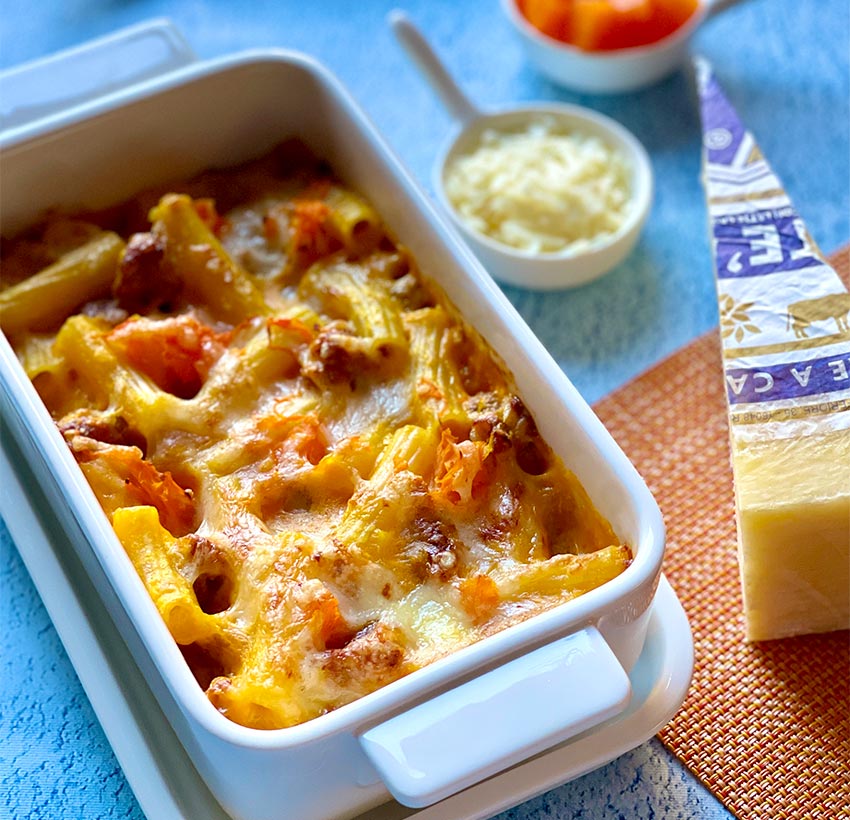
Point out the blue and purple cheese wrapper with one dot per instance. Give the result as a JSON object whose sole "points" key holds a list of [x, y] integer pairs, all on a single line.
{"points": [[785, 329], [784, 312]]}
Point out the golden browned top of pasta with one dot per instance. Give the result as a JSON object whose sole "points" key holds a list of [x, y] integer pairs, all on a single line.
{"points": [[324, 478]]}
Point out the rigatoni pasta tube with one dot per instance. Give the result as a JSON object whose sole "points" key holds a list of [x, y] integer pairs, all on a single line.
{"points": [[380, 509], [83, 347], [196, 255], [343, 292], [565, 576], [155, 554], [438, 390], [44, 300], [355, 221]]}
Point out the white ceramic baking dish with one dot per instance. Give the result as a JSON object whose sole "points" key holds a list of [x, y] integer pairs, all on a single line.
{"points": [[461, 719]]}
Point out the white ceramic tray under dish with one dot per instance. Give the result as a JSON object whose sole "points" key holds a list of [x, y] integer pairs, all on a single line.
{"points": [[158, 770]]}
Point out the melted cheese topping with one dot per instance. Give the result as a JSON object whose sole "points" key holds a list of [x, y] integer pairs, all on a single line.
{"points": [[322, 475]]}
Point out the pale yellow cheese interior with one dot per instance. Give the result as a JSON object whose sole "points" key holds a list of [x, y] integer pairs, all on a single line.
{"points": [[793, 500]]}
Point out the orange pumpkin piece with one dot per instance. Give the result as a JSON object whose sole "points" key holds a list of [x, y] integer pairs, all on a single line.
{"points": [[552, 17], [459, 468], [479, 596], [329, 627], [121, 477], [607, 25], [176, 353]]}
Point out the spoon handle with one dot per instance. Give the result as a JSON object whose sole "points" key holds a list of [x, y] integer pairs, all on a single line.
{"points": [[419, 50]]}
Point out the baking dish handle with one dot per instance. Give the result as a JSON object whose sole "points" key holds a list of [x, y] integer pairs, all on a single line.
{"points": [[498, 719], [39, 89]]}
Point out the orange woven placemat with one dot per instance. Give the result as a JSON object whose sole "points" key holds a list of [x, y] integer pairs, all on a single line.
{"points": [[765, 726]]}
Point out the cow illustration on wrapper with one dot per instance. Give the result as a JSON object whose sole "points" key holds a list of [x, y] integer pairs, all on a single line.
{"points": [[832, 306]]}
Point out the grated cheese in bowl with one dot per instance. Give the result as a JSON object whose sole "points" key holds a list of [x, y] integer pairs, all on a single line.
{"points": [[541, 190]]}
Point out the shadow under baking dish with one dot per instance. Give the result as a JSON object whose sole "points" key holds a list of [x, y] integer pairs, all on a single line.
{"points": [[159, 771]]}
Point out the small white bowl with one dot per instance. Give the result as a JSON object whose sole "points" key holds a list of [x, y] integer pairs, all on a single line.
{"points": [[607, 72], [567, 268], [539, 271]]}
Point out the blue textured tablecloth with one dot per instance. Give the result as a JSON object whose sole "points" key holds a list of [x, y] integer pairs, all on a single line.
{"points": [[784, 64]]}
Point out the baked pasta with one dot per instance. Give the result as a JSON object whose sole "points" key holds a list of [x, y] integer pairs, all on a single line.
{"points": [[323, 477]]}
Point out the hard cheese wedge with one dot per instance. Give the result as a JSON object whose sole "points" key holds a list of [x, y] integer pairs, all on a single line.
{"points": [[785, 325]]}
